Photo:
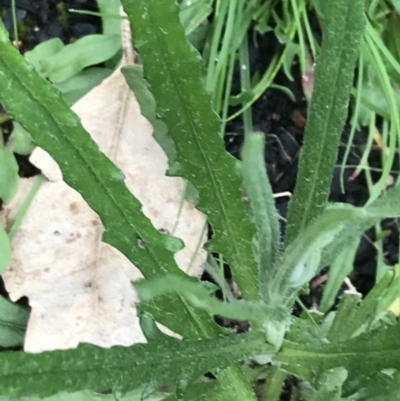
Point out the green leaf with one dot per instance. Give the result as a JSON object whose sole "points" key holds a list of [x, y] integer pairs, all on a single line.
{"points": [[327, 113], [5, 249], [359, 319], [20, 141], [8, 173], [380, 386], [121, 368], [88, 395], [361, 356], [201, 392], [73, 58], [134, 78], [41, 52], [197, 294], [175, 74], [341, 267], [193, 13], [262, 203], [40, 109], [111, 26], [301, 260], [77, 86], [13, 322], [329, 387], [383, 207], [340, 329], [333, 230]]}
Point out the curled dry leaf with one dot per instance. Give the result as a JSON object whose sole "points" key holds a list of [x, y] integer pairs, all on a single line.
{"points": [[80, 288]]}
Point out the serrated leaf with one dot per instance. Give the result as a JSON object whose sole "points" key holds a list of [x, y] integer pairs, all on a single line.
{"points": [[40, 109], [361, 356], [134, 78], [123, 369], [13, 321], [175, 74]]}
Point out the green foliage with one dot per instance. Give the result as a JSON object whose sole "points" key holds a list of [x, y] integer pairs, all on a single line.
{"points": [[123, 368], [13, 321], [8, 173], [378, 350], [92, 173], [327, 113], [73, 67], [174, 72], [5, 249], [339, 355], [263, 205]]}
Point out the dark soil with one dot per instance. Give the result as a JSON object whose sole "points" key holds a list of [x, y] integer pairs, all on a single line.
{"points": [[281, 119]]}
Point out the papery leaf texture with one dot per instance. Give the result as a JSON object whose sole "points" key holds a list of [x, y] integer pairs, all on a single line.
{"points": [[41, 110]]}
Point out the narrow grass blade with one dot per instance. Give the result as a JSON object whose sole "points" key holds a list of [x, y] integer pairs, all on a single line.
{"points": [[175, 74], [262, 202], [123, 368], [328, 110]]}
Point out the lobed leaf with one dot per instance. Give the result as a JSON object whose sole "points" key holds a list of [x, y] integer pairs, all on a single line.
{"points": [[122, 368], [40, 109], [175, 74]]}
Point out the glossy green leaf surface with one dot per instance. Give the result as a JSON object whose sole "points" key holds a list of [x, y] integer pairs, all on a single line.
{"points": [[121, 368], [175, 74]]}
